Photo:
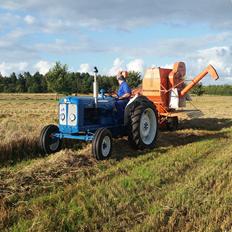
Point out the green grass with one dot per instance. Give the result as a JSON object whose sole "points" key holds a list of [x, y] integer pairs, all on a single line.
{"points": [[184, 184], [187, 188]]}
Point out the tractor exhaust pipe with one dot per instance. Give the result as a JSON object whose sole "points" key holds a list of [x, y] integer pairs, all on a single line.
{"points": [[95, 86]]}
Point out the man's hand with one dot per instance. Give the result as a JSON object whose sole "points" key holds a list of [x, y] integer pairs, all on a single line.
{"points": [[111, 93]]}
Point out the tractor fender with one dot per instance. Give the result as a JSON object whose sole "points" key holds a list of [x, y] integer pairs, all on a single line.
{"points": [[133, 103]]}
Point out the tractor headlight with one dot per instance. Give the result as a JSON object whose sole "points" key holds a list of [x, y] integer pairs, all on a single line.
{"points": [[72, 117], [62, 117]]}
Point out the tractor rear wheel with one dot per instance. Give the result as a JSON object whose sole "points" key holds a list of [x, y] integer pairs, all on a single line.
{"points": [[102, 144], [47, 142], [143, 127]]}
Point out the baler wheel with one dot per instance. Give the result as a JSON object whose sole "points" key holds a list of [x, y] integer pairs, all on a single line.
{"points": [[48, 143], [143, 127], [102, 144]]}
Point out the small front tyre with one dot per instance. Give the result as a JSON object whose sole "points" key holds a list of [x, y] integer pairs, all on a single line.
{"points": [[49, 143], [102, 144]]}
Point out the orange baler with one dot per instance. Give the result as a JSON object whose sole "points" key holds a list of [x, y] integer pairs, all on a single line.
{"points": [[166, 88]]}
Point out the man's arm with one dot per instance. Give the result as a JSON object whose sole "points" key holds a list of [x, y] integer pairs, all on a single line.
{"points": [[124, 96], [127, 92]]}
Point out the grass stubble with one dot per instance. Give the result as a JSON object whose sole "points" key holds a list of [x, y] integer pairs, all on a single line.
{"points": [[184, 184]]}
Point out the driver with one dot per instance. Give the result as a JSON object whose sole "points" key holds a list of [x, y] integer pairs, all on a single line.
{"points": [[124, 91], [123, 95]]}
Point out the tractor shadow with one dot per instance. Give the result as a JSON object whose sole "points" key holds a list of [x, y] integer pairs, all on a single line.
{"points": [[28, 148], [208, 124], [189, 131], [18, 150]]}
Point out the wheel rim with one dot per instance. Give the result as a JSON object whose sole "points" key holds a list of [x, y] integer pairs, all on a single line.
{"points": [[148, 126], [106, 146], [53, 143]]}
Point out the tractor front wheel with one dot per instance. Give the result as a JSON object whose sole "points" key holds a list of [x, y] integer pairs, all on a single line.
{"points": [[49, 143], [143, 127], [102, 144]]}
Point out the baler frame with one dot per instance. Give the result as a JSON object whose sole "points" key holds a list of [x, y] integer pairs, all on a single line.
{"points": [[163, 109]]}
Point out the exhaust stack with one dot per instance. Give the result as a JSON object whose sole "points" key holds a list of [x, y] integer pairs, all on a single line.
{"points": [[95, 86]]}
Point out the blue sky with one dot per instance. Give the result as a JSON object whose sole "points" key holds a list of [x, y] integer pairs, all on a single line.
{"points": [[116, 34]]}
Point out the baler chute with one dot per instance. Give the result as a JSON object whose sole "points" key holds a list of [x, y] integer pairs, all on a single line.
{"points": [[209, 70]]}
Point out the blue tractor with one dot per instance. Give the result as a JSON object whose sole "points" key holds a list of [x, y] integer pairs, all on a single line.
{"points": [[98, 120]]}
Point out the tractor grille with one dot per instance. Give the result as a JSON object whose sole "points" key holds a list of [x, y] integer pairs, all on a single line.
{"points": [[72, 114], [68, 114]]}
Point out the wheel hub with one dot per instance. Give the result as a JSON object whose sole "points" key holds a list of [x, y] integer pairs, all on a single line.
{"points": [[145, 125], [148, 126], [106, 146], [54, 142]]}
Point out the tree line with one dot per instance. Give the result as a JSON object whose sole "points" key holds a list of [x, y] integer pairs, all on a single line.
{"points": [[223, 90], [60, 80]]}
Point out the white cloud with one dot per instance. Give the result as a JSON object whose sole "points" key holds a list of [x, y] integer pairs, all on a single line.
{"points": [[85, 68], [29, 19], [10, 42], [15, 34], [168, 66], [43, 66], [102, 13], [219, 57], [22, 66], [65, 18], [55, 25], [8, 68], [11, 5], [9, 20], [136, 65], [118, 65], [62, 46]]}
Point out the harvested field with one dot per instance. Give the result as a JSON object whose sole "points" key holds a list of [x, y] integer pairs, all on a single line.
{"points": [[184, 184]]}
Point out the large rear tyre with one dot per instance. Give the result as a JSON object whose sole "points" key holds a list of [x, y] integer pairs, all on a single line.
{"points": [[102, 144], [47, 142], [143, 127]]}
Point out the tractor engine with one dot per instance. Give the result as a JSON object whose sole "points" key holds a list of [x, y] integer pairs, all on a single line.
{"points": [[80, 114]]}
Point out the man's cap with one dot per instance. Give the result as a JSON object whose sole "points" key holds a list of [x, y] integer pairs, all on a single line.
{"points": [[120, 78], [121, 75]]}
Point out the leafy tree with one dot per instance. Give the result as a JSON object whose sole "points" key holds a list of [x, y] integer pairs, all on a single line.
{"points": [[85, 83], [134, 79], [1, 83], [28, 79], [37, 83], [57, 79], [198, 89], [224, 90], [10, 85], [21, 84]]}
